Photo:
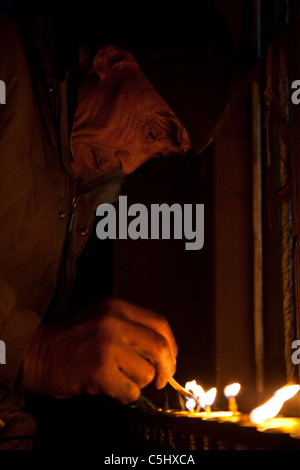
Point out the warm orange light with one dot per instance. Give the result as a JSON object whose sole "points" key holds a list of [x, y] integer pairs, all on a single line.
{"points": [[196, 389], [210, 396], [272, 407], [232, 390], [190, 404], [266, 411], [205, 399], [287, 392], [198, 393]]}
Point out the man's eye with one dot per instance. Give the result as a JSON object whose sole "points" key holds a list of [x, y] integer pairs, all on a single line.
{"points": [[151, 136]]}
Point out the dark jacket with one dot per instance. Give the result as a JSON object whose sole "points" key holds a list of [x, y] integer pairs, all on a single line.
{"points": [[46, 216]]}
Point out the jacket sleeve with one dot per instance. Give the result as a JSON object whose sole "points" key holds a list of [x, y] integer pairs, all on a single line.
{"points": [[17, 324]]}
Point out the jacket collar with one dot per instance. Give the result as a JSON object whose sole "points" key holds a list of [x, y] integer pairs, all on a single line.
{"points": [[100, 189]]}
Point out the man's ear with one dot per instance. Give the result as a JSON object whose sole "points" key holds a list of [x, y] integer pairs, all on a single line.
{"points": [[109, 58]]}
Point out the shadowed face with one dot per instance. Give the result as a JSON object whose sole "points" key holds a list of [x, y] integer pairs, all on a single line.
{"points": [[121, 121]]}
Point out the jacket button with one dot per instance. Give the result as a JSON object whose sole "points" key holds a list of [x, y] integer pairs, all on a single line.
{"points": [[62, 214], [82, 229]]}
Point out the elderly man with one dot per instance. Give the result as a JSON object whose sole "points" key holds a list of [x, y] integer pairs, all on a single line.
{"points": [[68, 136]]}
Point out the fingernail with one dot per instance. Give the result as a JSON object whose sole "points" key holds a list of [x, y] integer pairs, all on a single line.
{"points": [[160, 383]]}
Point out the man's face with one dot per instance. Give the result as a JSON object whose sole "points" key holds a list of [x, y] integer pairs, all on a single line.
{"points": [[121, 121]]}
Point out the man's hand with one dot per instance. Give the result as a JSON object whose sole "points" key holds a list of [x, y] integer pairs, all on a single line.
{"points": [[115, 348]]}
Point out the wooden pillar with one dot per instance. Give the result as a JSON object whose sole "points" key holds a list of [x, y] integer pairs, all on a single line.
{"points": [[233, 250]]}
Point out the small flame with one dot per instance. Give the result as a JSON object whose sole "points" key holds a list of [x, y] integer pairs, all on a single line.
{"points": [[272, 407], [205, 399], [287, 392], [232, 390], [210, 396], [266, 411], [196, 389], [190, 404]]}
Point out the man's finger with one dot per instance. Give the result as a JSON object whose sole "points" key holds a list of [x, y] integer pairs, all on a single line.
{"points": [[134, 366], [153, 347], [119, 386]]}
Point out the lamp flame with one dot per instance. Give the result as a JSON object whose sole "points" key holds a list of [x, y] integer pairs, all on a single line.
{"points": [[287, 392], [196, 389], [190, 404], [198, 393], [232, 390], [210, 396], [205, 399], [272, 407]]}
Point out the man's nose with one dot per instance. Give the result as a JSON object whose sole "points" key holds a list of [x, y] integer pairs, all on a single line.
{"points": [[130, 161]]}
